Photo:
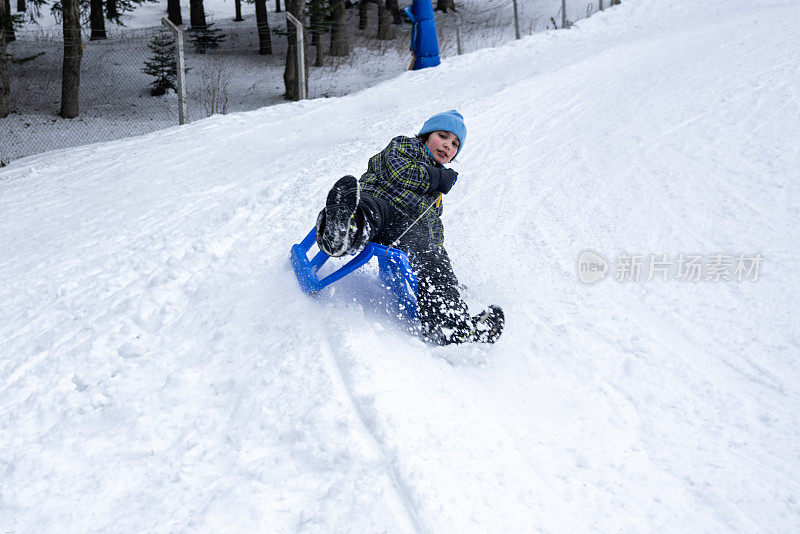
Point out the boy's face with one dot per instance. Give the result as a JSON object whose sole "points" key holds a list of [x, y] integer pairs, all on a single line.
{"points": [[443, 145]]}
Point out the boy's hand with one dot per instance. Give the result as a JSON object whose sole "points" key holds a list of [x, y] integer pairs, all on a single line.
{"points": [[442, 180]]}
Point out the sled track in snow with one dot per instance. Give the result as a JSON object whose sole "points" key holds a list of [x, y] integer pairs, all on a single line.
{"points": [[399, 484]]}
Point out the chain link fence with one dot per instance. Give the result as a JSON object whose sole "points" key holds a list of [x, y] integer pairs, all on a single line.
{"points": [[115, 93], [115, 96], [493, 23]]}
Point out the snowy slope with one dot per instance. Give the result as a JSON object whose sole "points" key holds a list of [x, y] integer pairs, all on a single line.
{"points": [[161, 370]]}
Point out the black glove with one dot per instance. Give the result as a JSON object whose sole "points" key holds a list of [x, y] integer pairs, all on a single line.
{"points": [[442, 179]]}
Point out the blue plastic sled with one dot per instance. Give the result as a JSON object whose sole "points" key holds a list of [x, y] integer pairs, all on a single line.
{"points": [[393, 265]]}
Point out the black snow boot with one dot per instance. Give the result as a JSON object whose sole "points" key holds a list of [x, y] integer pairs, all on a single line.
{"points": [[485, 327], [341, 226], [488, 325]]}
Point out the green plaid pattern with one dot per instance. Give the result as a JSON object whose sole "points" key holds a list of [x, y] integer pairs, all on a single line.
{"points": [[397, 174]]}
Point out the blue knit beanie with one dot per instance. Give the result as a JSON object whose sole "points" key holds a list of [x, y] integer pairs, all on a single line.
{"points": [[448, 121]]}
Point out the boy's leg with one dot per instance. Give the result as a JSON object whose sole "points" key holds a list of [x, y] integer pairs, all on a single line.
{"points": [[442, 312], [335, 226], [349, 219]]}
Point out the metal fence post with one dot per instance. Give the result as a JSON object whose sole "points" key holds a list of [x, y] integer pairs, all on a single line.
{"points": [[301, 53], [563, 13], [458, 34], [183, 116], [516, 20]]}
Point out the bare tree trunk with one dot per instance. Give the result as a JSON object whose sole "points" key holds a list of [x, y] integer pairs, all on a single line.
{"points": [[339, 42], [5, 81], [238, 7], [363, 15], [290, 75], [277, 6], [21, 6], [444, 5], [174, 12], [262, 23], [73, 51], [96, 20], [385, 29], [8, 27], [197, 15]]}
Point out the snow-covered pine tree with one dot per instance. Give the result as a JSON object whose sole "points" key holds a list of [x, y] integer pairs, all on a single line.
{"points": [[161, 65]]}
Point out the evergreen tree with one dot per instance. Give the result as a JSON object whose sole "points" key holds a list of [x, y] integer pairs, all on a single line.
{"points": [[7, 22], [161, 65], [291, 78], [363, 15], [339, 42], [174, 12], [445, 5], [5, 82], [206, 38], [386, 31], [97, 21], [71, 65], [197, 14], [319, 12], [262, 24], [114, 9], [397, 13]]}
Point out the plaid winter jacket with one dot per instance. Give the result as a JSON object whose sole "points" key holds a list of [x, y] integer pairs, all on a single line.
{"points": [[397, 174]]}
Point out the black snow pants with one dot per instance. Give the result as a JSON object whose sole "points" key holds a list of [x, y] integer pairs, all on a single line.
{"points": [[442, 312]]}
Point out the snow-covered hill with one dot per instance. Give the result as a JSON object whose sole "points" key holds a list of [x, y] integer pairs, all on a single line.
{"points": [[161, 370]]}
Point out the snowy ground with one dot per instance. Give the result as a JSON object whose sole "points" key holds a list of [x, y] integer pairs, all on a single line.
{"points": [[115, 99], [161, 370]]}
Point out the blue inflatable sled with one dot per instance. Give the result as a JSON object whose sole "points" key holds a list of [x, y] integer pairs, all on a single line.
{"points": [[424, 40], [393, 265]]}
